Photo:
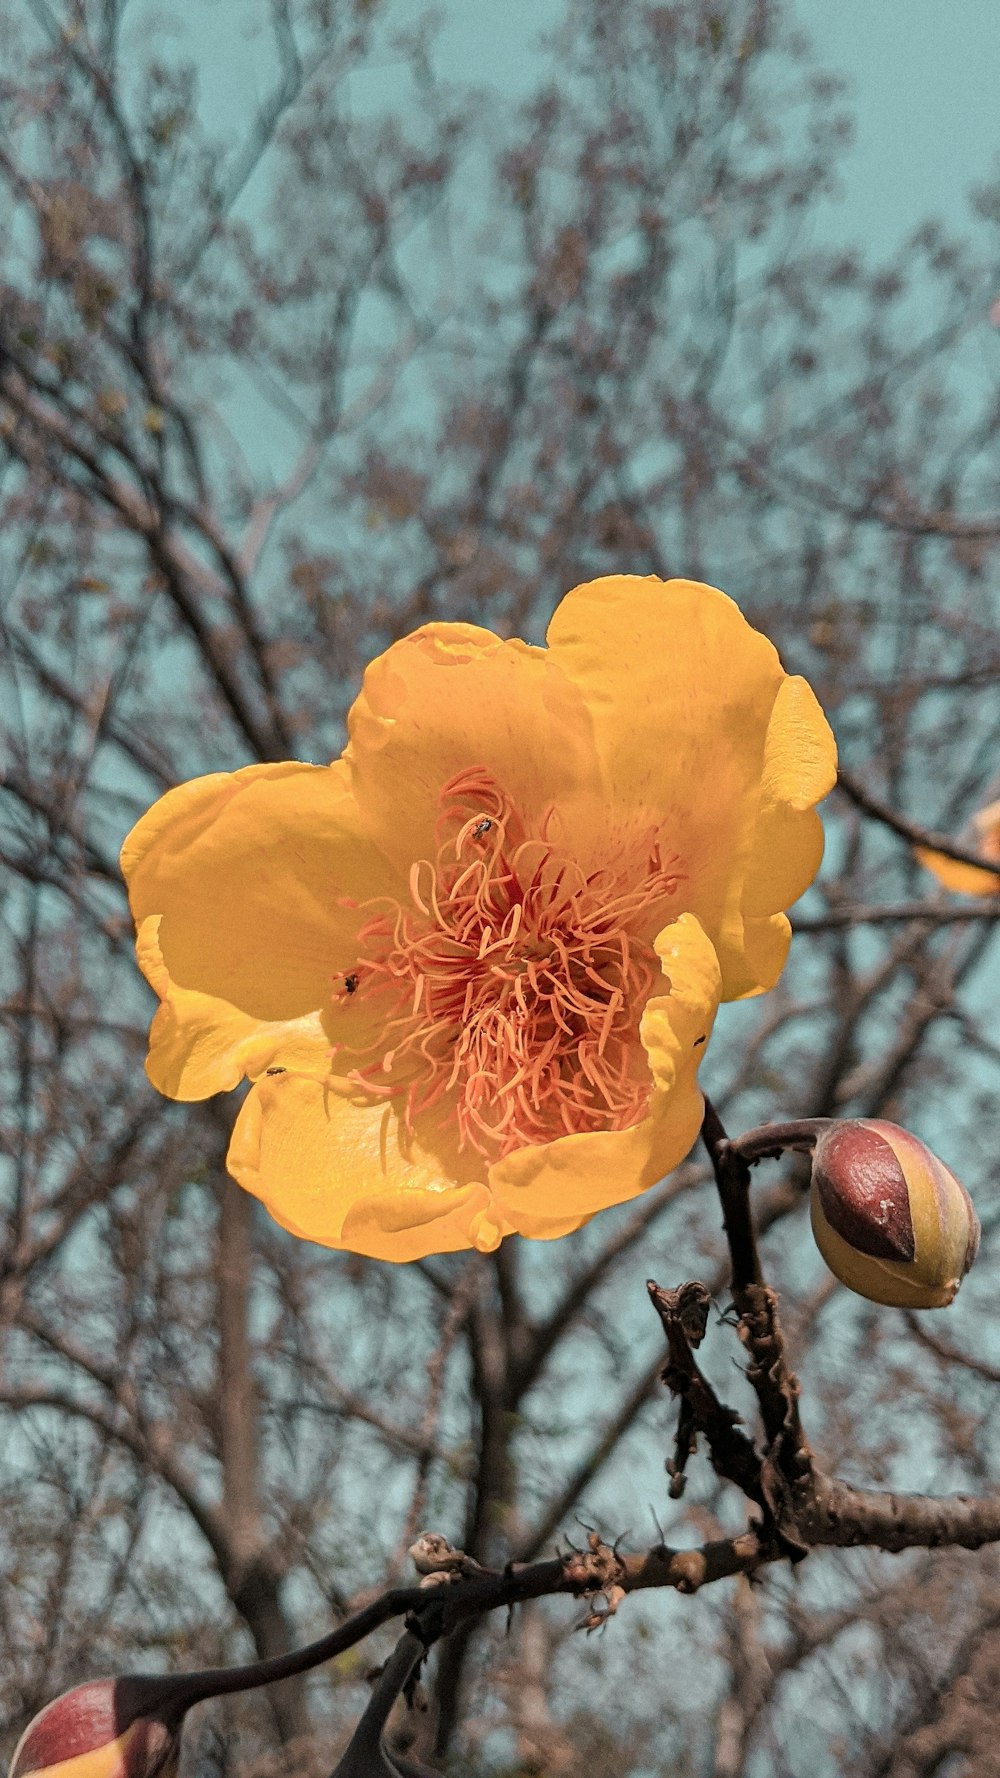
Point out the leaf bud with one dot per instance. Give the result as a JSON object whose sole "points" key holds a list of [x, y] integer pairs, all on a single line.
{"points": [[104, 1729], [890, 1219]]}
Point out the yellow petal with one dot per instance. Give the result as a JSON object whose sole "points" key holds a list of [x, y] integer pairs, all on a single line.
{"points": [[452, 697], [548, 1190], [967, 879], [199, 1045], [962, 879], [697, 729], [338, 1171], [244, 888], [760, 958], [676, 1026], [552, 1189], [800, 768], [944, 1221]]}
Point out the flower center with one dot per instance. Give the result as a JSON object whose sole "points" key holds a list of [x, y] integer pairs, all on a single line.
{"points": [[509, 990]]}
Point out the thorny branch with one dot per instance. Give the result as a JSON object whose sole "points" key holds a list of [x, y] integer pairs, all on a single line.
{"points": [[803, 1506], [445, 1601]]}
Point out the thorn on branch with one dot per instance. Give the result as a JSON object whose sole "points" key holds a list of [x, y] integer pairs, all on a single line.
{"points": [[597, 1573], [733, 1457], [787, 1467], [779, 1480], [685, 1312]]}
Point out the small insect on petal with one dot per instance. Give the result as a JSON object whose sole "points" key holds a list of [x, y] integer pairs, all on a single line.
{"points": [[890, 1219]]}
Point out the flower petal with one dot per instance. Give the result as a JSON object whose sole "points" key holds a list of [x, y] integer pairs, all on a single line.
{"points": [[548, 1190], [199, 1045], [452, 697], [696, 729], [800, 768], [962, 879], [335, 1170], [676, 1026], [757, 962], [967, 879], [244, 888]]}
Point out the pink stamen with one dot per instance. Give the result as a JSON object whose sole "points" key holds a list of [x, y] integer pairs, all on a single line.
{"points": [[513, 983]]}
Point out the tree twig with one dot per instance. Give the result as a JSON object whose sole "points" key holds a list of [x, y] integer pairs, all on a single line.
{"points": [[863, 799]]}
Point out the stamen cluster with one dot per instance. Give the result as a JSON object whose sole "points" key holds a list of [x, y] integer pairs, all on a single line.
{"points": [[510, 987]]}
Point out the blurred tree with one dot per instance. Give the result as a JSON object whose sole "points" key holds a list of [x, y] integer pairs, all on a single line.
{"points": [[398, 351]]}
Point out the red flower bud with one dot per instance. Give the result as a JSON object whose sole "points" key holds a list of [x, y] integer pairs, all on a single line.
{"points": [[99, 1730], [890, 1219]]}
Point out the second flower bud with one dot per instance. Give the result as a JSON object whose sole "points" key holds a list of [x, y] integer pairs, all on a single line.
{"points": [[891, 1221]]}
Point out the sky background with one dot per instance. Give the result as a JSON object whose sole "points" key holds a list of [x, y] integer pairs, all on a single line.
{"points": [[923, 79], [923, 88], [925, 92]]}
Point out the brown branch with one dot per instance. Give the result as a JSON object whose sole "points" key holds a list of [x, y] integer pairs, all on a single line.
{"points": [[954, 1714], [911, 831], [771, 1208], [929, 913], [443, 1603], [732, 1175], [643, 1390], [252, 1581], [543, 1336], [787, 1466], [234, 1391], [188, 582], [766, 1142], [949, 1354], [427, 1433], [153, 1446], [819, 1509], [364, 1756], [140, 748], [732, 1454], [846, 1517], [843, 1516]]}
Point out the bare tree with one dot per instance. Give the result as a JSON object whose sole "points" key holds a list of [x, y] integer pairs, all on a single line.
{"points": [[400, 352]]}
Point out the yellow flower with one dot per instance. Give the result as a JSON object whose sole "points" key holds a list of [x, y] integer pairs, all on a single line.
{"points": [[471, 967], [966, 879]]}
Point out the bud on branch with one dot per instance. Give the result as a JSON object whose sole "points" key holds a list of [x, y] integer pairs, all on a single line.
{"points": [[108, 1728], [891, 1221]]}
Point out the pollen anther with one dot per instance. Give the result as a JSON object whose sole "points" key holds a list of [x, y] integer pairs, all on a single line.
{"points": [[514, 981]]}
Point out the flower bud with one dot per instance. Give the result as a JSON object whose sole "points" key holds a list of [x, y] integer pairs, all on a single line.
{"points": [[889, 1218], [99, 1730]]}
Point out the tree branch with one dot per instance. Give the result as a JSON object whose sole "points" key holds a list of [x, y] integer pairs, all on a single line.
{"points": [[869, 804]]}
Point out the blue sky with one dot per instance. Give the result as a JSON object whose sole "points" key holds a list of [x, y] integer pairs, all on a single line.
{"points": [[925, 92], [924, 79], [923, 84]]}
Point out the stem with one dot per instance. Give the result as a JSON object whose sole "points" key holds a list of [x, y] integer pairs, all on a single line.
{"points": [[364, 1756], [767, 1141], [732, 1177], [169, 1696]]}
